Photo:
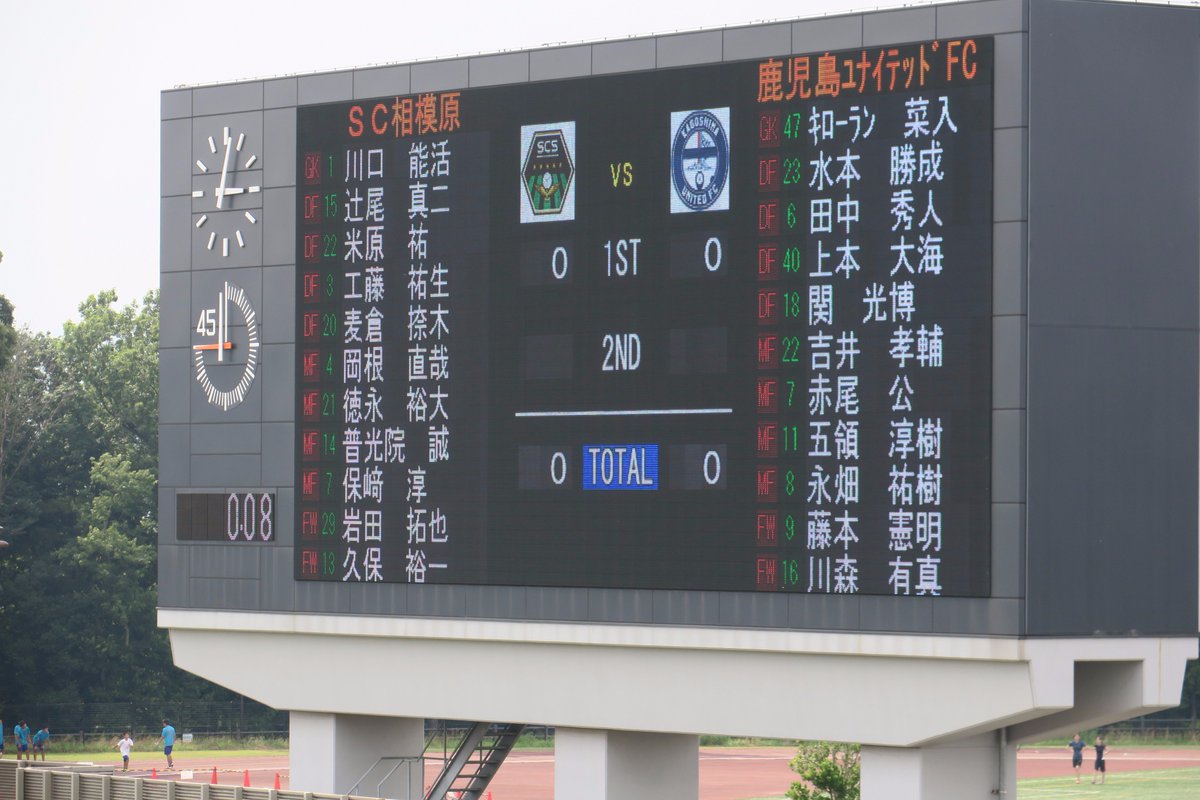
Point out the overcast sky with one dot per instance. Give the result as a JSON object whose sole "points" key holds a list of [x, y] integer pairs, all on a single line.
{"points": [[79, 102]]}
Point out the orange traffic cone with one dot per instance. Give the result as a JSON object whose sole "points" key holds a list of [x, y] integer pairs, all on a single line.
{"points": [[246, 778], [276, 780], [154, 772], [214, 777]]}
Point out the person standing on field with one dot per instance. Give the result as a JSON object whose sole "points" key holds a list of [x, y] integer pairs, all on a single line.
{"points": [[1077, 746], [125, 745], [1099, 770], [21, 734], [168, 740]]}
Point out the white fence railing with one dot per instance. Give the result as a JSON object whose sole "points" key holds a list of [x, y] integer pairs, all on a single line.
{"points": [[83, 783]]}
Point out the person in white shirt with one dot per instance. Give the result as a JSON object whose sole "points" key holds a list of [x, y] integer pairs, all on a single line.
{"points": [[125, 745]]}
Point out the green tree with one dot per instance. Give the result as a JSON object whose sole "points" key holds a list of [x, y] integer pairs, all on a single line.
{"points": [[828, 771]]}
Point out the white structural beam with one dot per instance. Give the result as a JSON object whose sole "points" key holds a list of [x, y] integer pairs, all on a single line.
{"points": [[870, 688]]}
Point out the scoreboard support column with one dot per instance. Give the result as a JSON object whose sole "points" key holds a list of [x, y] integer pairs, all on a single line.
{"points": [[972, 766], [618, 765], [331, 752]]}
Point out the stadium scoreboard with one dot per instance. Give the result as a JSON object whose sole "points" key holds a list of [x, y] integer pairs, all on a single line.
{"points": [[724, 328]]}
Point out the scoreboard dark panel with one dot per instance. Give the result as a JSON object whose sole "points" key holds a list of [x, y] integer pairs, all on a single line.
{"points": [[716, 328]]}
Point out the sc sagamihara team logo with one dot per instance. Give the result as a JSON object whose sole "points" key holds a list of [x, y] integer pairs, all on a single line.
{"points": [[699, 160], [547, 172]]}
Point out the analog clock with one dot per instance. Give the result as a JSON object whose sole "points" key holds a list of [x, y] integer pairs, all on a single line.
{"points": [[226, 191], [226, 357]]}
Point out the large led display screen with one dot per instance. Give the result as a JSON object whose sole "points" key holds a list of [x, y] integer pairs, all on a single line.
{"points": [[721, 328]]}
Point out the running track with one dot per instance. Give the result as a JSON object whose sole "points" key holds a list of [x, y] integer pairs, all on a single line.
{"points": [[726, 773]]}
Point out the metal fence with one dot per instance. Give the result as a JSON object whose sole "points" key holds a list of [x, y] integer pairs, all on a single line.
{"points": [[236, 718], [36, 784]]}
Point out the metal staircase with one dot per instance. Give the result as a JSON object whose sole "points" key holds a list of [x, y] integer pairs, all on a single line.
{"points": [[475, 761]]}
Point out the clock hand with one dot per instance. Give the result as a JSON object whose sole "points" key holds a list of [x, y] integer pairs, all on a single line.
{"points": [[220, 190], [214, 346], [233, 190]]}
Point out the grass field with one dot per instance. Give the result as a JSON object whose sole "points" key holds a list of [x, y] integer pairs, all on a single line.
{"points": [[1167, 784]]}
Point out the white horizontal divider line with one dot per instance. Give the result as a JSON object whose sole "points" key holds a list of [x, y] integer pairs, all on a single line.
{"points": [[630, 412]]}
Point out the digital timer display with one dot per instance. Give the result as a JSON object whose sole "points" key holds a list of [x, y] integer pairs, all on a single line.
{"points": [[722, 328], [225, 517]]}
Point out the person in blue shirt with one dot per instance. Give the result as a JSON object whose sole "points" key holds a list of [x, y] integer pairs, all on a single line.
{"points": [[39, 742], [21, 734], [168, 740], [1077, 746]]}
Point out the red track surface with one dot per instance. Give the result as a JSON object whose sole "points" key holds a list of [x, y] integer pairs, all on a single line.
{"points": [[726, 773]]}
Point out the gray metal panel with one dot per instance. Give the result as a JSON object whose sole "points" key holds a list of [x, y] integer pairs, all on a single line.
{"points": [[279, 226], [910, 614], [553, 603], [226, 470], [276, 584], [980, 19], [749, 610], [894, 27], [620, 605], [166, 515], [175, 309], [381, 81], [278, 453], [280, 93], [285, 516], [175, 104], [174, 465], [225, 560], [278, 309], [223, 593], [1112, 474], [277, 381], [240, 438], [498, 69], [175, 152], [227, 98], [432, 600], [329, 87], [173, 576], [249, 410], [174, 247], [757, 41], [1010, 103], [1008, 268], [502, 602], [702, 47], [623, 56], [560, 62], [1008, 362], [379, 598], [1008, 549], [1009, 198], [435, 76], [977, 616], [830, 33], [687, 608], [1008, 456], [279, 147], [174, 378], [824, 612], [322, 597], [1114, 187]]}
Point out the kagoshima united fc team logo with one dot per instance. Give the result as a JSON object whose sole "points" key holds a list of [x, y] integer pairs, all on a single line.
{"points": [[700, 160], [547, 172]]}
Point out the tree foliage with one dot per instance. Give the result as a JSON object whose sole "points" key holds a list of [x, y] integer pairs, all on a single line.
{"points": [[78, 500], [828, 771]]}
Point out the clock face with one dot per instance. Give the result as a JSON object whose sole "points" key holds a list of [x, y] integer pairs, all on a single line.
{"points": [[225, 347], [226, 195]]}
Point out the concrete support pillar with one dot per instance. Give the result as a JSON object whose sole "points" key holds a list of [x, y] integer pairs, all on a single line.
{"points": [[617, 765], [971, 768], [330, 752]]}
